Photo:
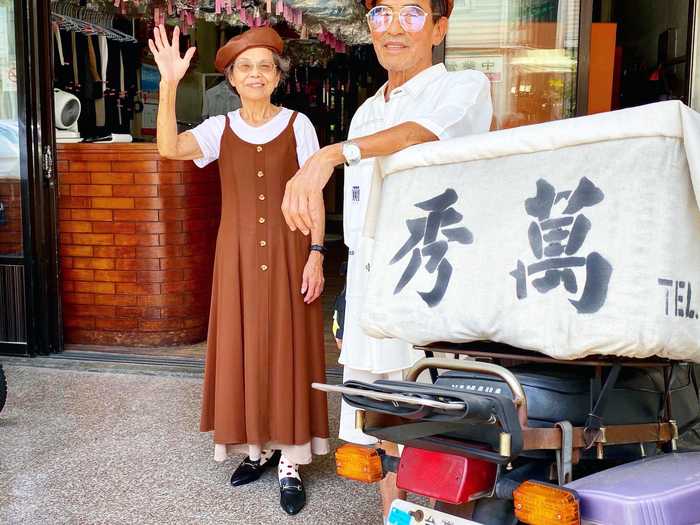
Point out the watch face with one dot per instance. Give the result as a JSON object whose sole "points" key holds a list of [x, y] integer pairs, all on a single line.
{"points": [[352, 153]]}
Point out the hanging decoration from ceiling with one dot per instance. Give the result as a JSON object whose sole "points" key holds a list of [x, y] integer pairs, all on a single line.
{"points": [[335, 23]]}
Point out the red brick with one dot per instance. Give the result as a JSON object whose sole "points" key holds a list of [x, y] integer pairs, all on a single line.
{"points": [[91, 190], [86, 323], [62, 165], [136, 240], [114, 227], [174, 165], [157, 252], [126, 252], [78, 298], [159, 227], [168, 239], [78, 275], [161, 325], [66, 262], [88, 310], [196, 225], [138, 289], [116, 300], [92, 287], [213, 189], [94, 264], [74, 178], [196, 323], [74, 202], [160, 300], [65, 238], [176, 263], [144, 166], [138, 264], [94, 239], [112, 178], [89, 166], [160, 277], [64, 189], [118, 203], [169, 312], [115, 276], [67, 286], [158, 178], [75, 226], [92, 215], [76, 251], [116, 325], [64, 215], [139, 312], [136, 191], [179, 287], [136, 215], [172, 190]]}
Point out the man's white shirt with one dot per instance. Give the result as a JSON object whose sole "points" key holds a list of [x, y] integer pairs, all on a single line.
{"points": [[449, 104]]}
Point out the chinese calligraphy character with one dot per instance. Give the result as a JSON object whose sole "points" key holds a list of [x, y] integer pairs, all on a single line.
{"points": [[441, 215], [555, 242]]}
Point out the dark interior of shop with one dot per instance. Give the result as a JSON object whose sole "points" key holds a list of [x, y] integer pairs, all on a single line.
{"points": [[652, 49]]}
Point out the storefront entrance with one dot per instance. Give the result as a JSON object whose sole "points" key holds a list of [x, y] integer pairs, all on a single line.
{"points": [[136, 231], [29, 315]]}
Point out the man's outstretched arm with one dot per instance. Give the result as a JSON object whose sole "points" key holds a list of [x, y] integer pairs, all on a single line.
{"points": [[303, 199]]}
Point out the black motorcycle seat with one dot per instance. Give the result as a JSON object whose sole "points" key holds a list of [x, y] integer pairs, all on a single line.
{"points": [[563, 393]]}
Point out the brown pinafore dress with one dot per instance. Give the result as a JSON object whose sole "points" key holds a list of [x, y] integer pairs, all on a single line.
{"points": [[265, 346]]}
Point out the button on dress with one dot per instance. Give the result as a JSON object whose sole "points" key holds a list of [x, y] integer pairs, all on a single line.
{"points": [[265, 345]]}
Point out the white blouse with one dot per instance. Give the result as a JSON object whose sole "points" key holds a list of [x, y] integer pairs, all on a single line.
{"points": [[208, 134]]}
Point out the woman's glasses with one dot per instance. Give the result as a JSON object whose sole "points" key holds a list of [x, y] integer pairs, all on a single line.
{"points": [[411, 17], [245, 67]]}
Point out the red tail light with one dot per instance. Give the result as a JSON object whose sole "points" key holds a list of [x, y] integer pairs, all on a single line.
{"points": [[448, 478]]}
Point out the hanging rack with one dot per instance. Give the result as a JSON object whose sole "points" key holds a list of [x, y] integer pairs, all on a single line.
{"points": [[75, 18]]}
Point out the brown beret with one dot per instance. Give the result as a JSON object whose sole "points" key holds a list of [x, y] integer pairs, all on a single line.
{"points": [[256, 37], [449, 4]]}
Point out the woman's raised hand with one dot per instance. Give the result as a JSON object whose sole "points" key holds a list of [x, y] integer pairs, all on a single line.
{"points": [[171, 65]]}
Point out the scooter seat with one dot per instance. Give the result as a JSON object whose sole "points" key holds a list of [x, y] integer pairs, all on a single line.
{"points": [[563, 393]]}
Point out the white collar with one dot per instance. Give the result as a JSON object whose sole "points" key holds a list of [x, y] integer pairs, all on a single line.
{"points": [[417, 84]]}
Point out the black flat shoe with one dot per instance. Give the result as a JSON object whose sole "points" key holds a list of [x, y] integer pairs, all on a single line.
{"points": [[292, 495], [249, 471]]}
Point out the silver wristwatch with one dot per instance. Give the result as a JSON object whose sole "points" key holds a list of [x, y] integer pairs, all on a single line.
{"points": [[352, 153]]}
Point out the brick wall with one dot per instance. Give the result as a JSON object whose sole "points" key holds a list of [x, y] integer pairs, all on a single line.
{"points": [[11, 217], [137, 240]]}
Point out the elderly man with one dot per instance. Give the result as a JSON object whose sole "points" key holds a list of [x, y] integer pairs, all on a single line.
{"points": [[421, 102]]}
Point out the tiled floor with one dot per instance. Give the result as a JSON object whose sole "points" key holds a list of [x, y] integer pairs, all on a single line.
{"points": [[114, 446]]}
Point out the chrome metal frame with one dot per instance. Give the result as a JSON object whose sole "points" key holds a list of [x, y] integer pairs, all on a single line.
{"points": [[382, 396]]}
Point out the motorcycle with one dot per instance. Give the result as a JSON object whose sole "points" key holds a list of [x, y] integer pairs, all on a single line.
{"points": [[501, 435]]}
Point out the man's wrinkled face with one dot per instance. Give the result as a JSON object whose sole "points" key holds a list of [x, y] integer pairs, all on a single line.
{"points": [[401, 50]]}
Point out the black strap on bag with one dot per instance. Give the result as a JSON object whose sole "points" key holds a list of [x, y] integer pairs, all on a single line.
{"points": [[594, 421]]}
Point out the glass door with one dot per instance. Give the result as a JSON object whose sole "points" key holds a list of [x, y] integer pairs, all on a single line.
{"points": [[528, 48], [695, 59], [28, 306]]}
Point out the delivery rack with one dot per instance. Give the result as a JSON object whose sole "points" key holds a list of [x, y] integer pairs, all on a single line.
{"points": [[491, 426]]}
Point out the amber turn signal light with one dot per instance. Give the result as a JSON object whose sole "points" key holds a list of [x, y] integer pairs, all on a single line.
{"points": [[542, 504], [358, 463]]}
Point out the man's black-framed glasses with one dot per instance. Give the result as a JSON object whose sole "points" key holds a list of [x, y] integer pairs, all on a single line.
{"points": [[411, 17]]}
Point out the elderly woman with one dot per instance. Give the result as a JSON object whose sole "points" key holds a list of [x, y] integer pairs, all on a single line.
{"points": [[265, 343]]}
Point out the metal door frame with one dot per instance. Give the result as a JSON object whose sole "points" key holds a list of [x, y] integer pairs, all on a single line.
{"points": [[38, 188]]}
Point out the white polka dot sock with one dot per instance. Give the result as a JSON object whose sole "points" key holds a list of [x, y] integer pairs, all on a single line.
{"points": [[265, 455], [287, 469]]}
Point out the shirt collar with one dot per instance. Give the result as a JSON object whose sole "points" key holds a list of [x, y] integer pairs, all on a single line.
{"points": [[417, 84]]}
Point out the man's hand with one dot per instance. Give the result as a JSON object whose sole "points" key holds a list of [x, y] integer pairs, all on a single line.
{"points": [[313, 280], [302, 205]]}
